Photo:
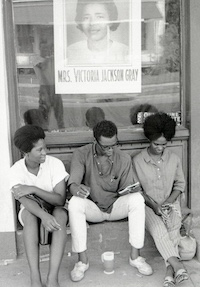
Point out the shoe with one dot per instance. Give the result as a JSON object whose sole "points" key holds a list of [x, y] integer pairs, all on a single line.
{"points": [[169, 282], [77, 273], [181, 275], [143, 267]]}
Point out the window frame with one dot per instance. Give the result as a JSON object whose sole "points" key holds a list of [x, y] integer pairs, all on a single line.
{"points": [[58, 139]]}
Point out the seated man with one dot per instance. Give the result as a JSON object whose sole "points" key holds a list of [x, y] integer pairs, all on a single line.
{"points": [[98, 172]]}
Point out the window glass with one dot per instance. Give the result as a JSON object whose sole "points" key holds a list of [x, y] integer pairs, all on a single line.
{"points": [[38, 103]]}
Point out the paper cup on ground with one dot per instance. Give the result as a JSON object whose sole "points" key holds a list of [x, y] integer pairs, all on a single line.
{"points": [[108, 262]]}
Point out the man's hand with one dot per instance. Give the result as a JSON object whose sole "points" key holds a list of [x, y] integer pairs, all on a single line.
{"points": [[83, 191], [80, 190]]}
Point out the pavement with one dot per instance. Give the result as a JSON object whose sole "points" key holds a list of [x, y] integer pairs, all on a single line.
{"points": [[112, 236], [16, 274]]}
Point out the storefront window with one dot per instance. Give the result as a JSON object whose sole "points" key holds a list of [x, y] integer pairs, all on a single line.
{"points": [[160, 66]]}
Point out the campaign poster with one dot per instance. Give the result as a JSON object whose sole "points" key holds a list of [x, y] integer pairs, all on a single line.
{"points": [[97, 46]]}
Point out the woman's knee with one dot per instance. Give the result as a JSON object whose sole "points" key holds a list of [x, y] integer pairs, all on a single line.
{"points": [[158, 231], [60, 215], [28, 218]]}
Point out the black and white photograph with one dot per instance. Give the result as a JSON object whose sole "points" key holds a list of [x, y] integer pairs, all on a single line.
{"points": [[97, 42], [103, 41], [100, 143]]}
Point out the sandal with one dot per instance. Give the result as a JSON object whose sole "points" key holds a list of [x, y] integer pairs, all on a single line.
{"points": [[168, 282], [181, 275]]}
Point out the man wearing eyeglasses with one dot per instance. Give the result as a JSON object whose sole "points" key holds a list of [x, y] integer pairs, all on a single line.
{"points": [[98, 172]]}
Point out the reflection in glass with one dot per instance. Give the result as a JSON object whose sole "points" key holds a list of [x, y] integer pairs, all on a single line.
{"points": [[93, 116], [34, 39]]}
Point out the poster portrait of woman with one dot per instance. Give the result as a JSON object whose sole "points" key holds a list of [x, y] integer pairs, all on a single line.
{"points": [[97, 46], [101, 40]]}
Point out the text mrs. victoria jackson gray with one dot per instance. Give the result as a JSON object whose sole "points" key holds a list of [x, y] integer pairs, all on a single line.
{"points": [[100, 75]]}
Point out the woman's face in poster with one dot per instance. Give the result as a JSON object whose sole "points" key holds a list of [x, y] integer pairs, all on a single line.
{"points": [[95, 21]]}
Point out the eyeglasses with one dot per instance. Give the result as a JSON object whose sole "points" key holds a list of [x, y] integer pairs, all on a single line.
{"points": [[107, 147]]}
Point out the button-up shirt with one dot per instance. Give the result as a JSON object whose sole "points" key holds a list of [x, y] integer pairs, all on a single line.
{"points": [[159, 179], [85, 170]]}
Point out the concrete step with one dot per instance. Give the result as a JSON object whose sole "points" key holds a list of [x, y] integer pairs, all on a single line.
{"points": [[101, 237]]}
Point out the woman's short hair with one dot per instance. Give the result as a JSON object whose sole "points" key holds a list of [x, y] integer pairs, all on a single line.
{"points": [[110, 6], [26, 137], [159, 124], [104, 128]]}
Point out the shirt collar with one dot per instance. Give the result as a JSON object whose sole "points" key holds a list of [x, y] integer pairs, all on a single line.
{"points": [[95, 153], [147, 157], [40, 167], [94, 149]]}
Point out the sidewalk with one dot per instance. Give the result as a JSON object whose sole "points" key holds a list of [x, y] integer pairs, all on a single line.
{"points": [[101, 237], [16, 274]]}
